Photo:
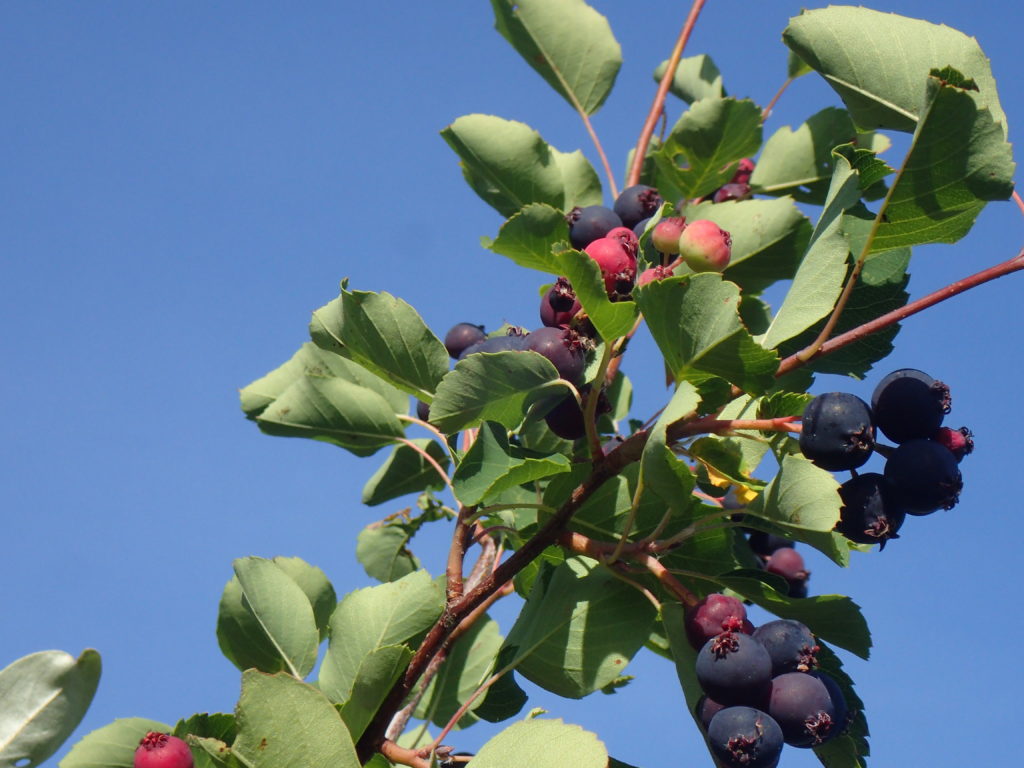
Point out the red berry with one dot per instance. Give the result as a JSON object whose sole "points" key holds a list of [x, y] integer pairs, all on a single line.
{"points": [[959, 441], [713, 615], [705, 247], [743, 171], [617, 265], [161, 750], [629, 239], [666, 232]]}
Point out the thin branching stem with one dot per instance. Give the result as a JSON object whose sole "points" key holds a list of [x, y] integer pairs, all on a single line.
{"points": [[1017, 199], [659, 97], [428, 458], [766, 112]]}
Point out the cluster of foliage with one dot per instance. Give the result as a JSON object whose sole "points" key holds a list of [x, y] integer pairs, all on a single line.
{"points": [[609, 538]]}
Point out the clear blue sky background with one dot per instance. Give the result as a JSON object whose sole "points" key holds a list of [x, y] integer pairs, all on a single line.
{"points": [[183, 183]]}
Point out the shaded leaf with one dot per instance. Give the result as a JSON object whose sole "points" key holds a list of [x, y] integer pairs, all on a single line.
{"points": [[696, 78], [406, 471], [668, 477]]}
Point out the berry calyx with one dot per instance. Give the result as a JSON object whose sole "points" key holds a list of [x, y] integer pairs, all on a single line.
{"points": [[559, 304], [744, 737], [161, 750], [960, 442], [705, 247], [790, 644], [870, 514], [637, 203], [564, 349], [734, 669], [618, 265], [802, 706]]}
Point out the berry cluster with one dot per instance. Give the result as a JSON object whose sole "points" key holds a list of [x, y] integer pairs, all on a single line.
{"points": [[161, 750], [761, 686], [921, 475]]}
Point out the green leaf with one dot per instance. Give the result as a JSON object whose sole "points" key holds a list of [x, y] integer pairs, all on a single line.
{"points": [[800, 163], [383, 552], [959, 159], [541, 743], [509, 165], [701, 152], [724, 457], [467, 666], [579, 628], [367, 621], [668, 477], [217, 725], [44, 697], [768, 238], [696, 78], [529, 236], [285, 723], [312, 361], [406, 471], [796, 67], [384, 335], [314, 584], [802, 502], [493, 386], [611, 319], [695, 322], [113, 745], [492, 465], [685, 657], [822, 272], [878, 62], [567, 43], [374, 676], [880, 289], [834, 618], [282, 611], [334, 411], [504, 699]]}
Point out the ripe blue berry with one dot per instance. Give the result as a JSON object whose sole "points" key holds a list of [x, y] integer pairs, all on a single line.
{"points": [[637, 203], [590, 223], [462, 335], [909, 404], [563, 347], [870, 513], [734, 669], [512, 341], [744, 737], [803, 708], [924, 476], [837, 432], [790, 645]]}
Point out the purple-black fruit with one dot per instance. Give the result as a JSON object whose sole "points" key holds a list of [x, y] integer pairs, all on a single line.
{"points": [[590, 223], [734, 669], [870, 513], [764, 544], [637, 203], [559, 304], [789, 564], [959, 441], [713, 615], [461, 336], [924, 477], [803, 708], [837, 431], [744, 737], [731, 191], [790, 645], [909, 404], [422, 411], [563, 347], [842, 709], [706, 709], [513, 341]]}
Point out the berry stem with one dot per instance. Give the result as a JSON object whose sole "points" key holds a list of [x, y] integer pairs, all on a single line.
{"points": [[600, 152], [429, 459], [766, 112], [1014, 264], [659, 98], [403, 755], [1017, 199]]}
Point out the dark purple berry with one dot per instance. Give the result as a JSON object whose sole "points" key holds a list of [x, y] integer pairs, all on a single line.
{"points": [[909, 404], [960, 442], [789, 564], [734, 669], [870, 513], [590, 223], [422, 411], [744, 737], [842, 709], [637, 203], [803, 708], [512, 341], [790, 645], [713, 615], [706, 709], [461, 336], [566, 419], [764, 544], [559, 304], [731, 191], [924, 476], [837, 433], [563, 347]]}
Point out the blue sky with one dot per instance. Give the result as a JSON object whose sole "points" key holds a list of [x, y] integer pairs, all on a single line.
{"points": [[183, 183]]}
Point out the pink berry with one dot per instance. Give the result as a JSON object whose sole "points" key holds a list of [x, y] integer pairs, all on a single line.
{"points": [[959, 441], [743, 171], [161, 750], [627, 237], [666, 234], [705, 247], [652, 274], [618, 265], [713, 615]]}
